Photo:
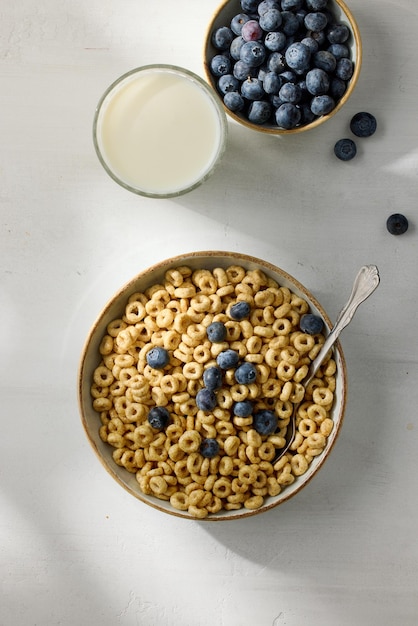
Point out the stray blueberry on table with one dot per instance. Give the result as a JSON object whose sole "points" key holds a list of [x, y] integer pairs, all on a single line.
{"points": [[157, 358], [209, 448], [206, 399], [212, 378], [216, 332], [397, 224], [345, 149], [158, 417], [227, 359], [363, 124], [265, 422], [243, 408], [246, 374], [239, 310], [311, 324]]}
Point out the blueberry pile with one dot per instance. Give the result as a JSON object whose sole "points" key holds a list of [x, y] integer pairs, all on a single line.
{"points": [[282, 62]]}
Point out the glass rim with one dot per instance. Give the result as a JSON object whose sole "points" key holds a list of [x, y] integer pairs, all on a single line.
{"points": [[202, 84]]}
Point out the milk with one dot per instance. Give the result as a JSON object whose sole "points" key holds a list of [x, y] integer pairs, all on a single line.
{"points": [[159, 131]]}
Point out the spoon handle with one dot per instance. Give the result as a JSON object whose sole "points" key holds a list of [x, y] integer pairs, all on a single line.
{"points": [[365, 283]]}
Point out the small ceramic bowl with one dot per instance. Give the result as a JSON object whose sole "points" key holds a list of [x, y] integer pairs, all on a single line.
{"points": [[115, 309], [341, 14]]}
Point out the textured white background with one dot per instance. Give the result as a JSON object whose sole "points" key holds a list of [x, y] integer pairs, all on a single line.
{"points": [[75, 548]]}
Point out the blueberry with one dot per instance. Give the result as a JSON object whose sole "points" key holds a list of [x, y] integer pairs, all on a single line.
{"points": [[322, 105], [298, 56], [252, 89], [317, 81], [316, 21], [397, 224], [249, 6], [338, 33], [222, 38], [339, 50], [316, 5], [290, 93], [206, 399], [234, 101], [158, 417], [310, 43], [157, 358], [265, 422], [212, 378], [227, 83], [242, 70], [275, 41], [244, 408], [290, 23], [363, 124], [209, 448], [306, 112], [266, 5], [220, 65], [337, 88], [238, 21], [253, 53], [291, 5], [271, 20], [345, 149], [276, 62], [288, 116], [240, 310], [235, 48], [227, 359], [216, 332], [251, 31], [344, 69], [325, 60], [246, 374], [259, 112], [311, 324], [272, 83]]}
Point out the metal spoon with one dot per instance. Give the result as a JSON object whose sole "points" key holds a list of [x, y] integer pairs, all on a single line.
{"points": [[365, 283]]}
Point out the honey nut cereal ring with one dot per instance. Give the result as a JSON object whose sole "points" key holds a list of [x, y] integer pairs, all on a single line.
{"points": [[102, 404], [116, 440], [190, 441], [224, 398], [222, 487], [254, 438], [307, 427], [231, 445], [164, 318], [267, 451], [301, 373], [254, 502], [239, 392], [304, 343], [264, 298], [297, 441], [273, 487], [316, 440], [235, 274], [326, 427], [198, 512], [313, 451], [224, 428], [194, 462], [201, 354], [158, 485], [273, 357], [193, 370], [285, 371], [169, 385], [135, 311], [299, 464], [175, 453], [115, 326], [297, 393], [271, 388], [264, 331], [236, 498], [225, 291], [99, 392], [103, 376], [252, 456], [180, 501], [242, 422], [282, 326], [226, 466], [106, 345], [135, 412], [322, 396], [181, 322], [186, 290], [317, 413], [268, 315]]}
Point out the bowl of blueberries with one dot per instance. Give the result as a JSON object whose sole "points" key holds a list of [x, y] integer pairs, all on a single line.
{"points": [[189, 380], [282, 66]]}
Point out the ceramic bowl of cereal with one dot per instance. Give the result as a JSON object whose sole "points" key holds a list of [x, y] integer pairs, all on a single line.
{"points": [[282, 67], [188, 379]]}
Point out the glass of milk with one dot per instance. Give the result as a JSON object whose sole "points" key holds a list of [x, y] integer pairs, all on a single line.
{"points": [[159, 131]]}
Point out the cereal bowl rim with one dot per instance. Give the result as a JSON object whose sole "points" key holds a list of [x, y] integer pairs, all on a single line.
{"points": [[90, 358], [276, 130]]}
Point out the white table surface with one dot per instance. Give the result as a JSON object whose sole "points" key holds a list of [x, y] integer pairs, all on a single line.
{"points": [[77, 549]]}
